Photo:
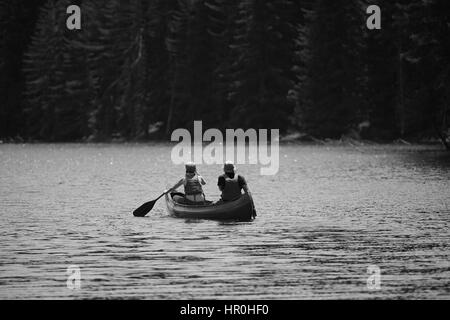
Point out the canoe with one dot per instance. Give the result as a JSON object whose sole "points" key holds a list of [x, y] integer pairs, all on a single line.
{"points": [[240, 209]]}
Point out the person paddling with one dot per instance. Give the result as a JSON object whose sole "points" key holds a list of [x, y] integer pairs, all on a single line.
{"points": [[192, 182], [231, 183]]}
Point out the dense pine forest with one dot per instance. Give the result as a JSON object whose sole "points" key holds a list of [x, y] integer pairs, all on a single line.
{"points": [[138, 69]]}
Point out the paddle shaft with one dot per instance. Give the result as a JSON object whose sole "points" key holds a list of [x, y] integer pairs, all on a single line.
{"points": [[148, 206], [161, 196]]}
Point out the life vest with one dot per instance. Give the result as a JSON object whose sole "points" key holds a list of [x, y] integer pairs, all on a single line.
{"points": [[232, 190], [192, 186]]}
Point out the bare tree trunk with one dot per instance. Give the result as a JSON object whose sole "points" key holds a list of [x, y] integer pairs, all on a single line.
{"points": [[172, 101], [401, 91], [443, 137], [444, 125]]}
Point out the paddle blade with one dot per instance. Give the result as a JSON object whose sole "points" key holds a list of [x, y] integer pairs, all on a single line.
{"points": [[144, 209]]}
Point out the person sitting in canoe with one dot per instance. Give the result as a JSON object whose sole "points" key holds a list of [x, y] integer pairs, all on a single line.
{"points": [[192, 182], [231, 183]]}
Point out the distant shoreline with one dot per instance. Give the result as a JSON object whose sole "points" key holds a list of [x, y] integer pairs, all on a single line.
{"points": [[314, 142]]}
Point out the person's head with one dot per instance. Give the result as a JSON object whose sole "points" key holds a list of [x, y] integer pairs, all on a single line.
{"points": [[191, 168], [229, 168]]}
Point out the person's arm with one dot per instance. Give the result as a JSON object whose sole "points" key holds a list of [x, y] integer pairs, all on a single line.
{"points": [[202, 181], [176, 186], [221, 183], [243, 184]]}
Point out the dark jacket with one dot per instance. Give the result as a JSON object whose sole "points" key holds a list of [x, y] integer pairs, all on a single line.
{"points": [[231, 186]]}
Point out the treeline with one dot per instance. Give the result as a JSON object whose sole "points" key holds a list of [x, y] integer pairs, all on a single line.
{"points": [[140, 68]]}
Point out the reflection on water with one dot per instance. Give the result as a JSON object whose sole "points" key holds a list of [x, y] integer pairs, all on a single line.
{"points": [[329, 214]]}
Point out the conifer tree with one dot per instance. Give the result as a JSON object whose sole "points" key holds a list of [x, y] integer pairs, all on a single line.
{"points": [[428, 55], [334, 81], [17, 20], [263, 49], [44, 70], [381, 59]]}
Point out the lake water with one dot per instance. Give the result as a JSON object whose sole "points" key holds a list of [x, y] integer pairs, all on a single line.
{"points": [[329, 214]]}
